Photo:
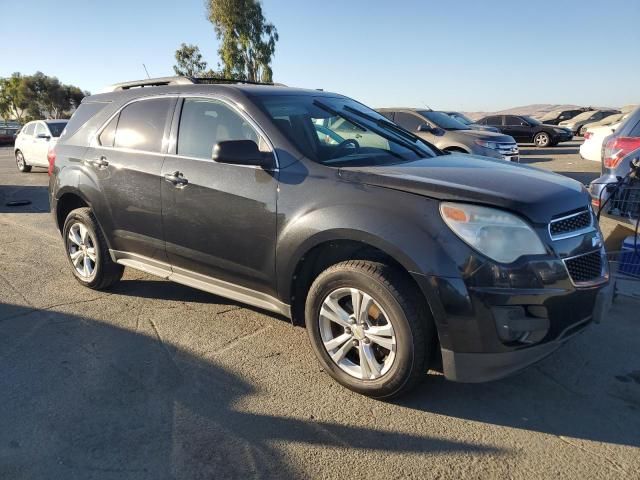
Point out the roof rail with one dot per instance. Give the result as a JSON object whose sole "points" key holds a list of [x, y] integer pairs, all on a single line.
{"points": [[162, 81]]}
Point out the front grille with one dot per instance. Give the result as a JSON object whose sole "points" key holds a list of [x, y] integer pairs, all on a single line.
{"points": [[585, 268], [507, 149], [572, 223]]}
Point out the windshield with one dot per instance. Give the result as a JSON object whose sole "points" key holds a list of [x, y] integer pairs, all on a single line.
{"points": [[342, 132], [531, 120], [583, 116], [443, 120], [56, 128], [461, 118]]}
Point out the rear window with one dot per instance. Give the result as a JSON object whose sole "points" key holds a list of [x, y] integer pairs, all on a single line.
{"points": [[141, 125], [56, 128], [81, 116]]}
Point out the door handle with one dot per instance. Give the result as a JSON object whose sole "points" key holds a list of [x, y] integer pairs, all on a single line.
{"points": [[99, 162], [176, 179]]}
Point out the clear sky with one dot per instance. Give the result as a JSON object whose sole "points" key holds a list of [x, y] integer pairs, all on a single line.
{"points": [[456, 54]]}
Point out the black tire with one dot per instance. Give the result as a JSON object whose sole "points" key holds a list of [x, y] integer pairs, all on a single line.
{"points": [[542, 140], [406, 310], [21, 163], [106, 272]]}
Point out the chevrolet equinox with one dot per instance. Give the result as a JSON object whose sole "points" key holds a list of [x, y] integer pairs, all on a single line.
{"points": [[395, 256]]}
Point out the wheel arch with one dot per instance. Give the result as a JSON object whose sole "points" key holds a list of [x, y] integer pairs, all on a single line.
{"points": [[329, 248], [68, 200]]}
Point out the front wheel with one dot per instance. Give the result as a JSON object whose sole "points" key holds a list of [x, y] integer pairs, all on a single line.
{"points": [[542, 139], [87, 251], [368, 328], [21, 163]]}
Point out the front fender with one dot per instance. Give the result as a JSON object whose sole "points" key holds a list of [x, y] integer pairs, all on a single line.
{"points": [[404, 226]]}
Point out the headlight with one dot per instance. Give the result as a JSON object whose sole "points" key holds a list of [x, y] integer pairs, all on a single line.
{"points": [[486, 144], [495, 233]]}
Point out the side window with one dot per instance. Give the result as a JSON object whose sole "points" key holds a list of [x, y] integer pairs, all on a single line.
{"points": [[409, 121], [514, 121], [28, 130], [388, 115], [203, 123], [41, 130], [108, 134], [142, 123], [493, 120]]}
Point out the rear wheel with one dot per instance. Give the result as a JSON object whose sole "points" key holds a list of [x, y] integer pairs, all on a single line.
{"points": [[87, 251], [21, 163], [368, 329], [542, 139]]}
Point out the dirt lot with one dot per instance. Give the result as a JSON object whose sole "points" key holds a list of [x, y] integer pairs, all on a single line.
{"points": [[154, 380]]}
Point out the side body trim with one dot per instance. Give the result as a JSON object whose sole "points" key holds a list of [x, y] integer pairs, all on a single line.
{"points": [[202, 282]]}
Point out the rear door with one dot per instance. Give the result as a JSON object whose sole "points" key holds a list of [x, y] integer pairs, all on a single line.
{"points": [[25, 142], [127, 162], [222, 223]]}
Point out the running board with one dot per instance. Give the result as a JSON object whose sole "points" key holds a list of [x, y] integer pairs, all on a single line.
{"points": [[201, 282]]}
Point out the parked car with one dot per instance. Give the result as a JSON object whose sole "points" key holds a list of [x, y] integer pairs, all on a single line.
{"points": [[586, 117], [34, 141], [8, 134], [618, 151], [470, 123], [610, 120], [527, 129], [388, 251], [557, 116], [450, 135], [591, 148]]}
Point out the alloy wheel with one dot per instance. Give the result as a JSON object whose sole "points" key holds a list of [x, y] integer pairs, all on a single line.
{"points": [[357, 333], [542, 140], [81, 248], [20, 160]]}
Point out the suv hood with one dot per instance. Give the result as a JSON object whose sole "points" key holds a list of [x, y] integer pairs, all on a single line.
{"points": [[534, 193]]}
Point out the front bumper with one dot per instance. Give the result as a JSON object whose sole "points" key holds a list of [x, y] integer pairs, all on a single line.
{"points": [[563, 137], [496, 319]]}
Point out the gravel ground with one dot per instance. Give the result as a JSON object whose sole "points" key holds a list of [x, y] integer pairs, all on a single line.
{"points": [[154, 380]]}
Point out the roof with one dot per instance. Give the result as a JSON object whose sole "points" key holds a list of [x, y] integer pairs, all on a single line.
{"points": [[178, 85]]}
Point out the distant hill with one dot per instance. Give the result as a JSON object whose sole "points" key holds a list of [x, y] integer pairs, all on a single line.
{"points": [[534, 110]]}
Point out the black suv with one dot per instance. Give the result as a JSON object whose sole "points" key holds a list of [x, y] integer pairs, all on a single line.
{"points": [[528, 129], [394, 255]]}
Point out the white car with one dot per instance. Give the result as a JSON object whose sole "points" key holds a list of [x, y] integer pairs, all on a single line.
{"points": [[33, 143], [591, 149]]}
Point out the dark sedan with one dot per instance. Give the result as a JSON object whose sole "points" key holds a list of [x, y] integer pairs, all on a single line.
{"points": [[526, 129]]}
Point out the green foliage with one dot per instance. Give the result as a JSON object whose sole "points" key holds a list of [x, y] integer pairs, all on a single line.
{"points": [[248, 41], [29, 97]]}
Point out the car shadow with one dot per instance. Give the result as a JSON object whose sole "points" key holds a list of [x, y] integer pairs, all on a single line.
{"points": [[583, 177], [27, 199], [567, 395], [83, 398]]}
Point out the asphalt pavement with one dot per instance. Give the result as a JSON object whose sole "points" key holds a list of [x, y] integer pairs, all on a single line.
{"points": [[154, 380]]}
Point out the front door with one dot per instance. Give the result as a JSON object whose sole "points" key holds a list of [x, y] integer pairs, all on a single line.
{"points": [[517, 128], [40, 146], [127, 162], [219, 219]]}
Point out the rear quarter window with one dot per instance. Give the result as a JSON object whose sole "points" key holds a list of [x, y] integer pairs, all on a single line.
{"points": [[82, 115]]}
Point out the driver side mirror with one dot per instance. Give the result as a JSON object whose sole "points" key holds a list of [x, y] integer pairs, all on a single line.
{"points": [[239, 152], [438, 132]]}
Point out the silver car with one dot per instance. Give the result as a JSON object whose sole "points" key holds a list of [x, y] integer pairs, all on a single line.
{"points": [[450, 135]]}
